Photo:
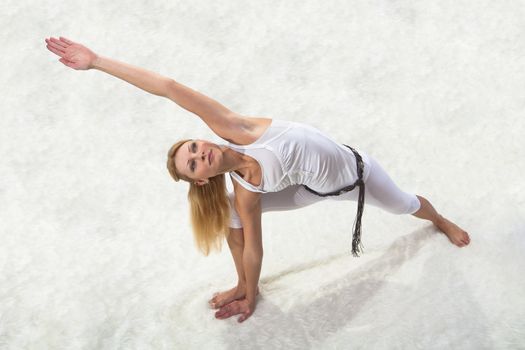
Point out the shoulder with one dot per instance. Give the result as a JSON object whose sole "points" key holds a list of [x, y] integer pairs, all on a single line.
{"points": [[245, 130], [246, 202]]}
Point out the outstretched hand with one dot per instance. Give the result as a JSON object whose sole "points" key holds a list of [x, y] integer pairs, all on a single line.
{"points": [[73, 55]]}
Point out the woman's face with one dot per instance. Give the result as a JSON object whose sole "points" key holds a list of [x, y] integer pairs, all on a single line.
{"points": [[198, 160]]}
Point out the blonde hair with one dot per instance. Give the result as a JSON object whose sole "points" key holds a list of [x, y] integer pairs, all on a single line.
{"points": [[209, 206]]}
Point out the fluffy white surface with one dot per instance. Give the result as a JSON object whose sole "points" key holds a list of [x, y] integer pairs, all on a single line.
{"points": [[96, 250]]}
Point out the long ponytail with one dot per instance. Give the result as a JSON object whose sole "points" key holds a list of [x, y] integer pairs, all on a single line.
{"points": [[209, 207], [210, 213]]}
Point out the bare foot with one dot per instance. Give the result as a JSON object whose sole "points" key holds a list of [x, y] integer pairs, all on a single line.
{"points": [[454, 233], [222, 298]]}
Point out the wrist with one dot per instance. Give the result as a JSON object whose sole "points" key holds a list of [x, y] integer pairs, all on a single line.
{"points": [[251, 294], [251, 301], [96, 63]]}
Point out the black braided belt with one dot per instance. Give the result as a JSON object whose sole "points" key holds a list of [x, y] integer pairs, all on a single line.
{"points": [[356, 239]]}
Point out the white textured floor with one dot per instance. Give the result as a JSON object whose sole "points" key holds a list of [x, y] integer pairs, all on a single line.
{"points": [[96, 250]]}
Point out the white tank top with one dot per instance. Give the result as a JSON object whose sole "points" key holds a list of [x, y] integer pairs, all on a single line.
{"points": [[291, 153]]}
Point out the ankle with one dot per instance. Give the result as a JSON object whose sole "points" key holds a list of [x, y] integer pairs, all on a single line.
{"points": [[439, 221]]}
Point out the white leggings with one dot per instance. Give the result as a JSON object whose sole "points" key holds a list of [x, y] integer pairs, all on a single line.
{"points": [[380, 191]]}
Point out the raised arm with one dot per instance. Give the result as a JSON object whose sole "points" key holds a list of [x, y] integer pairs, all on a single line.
{"points": [[79, 57], [221, 120]]}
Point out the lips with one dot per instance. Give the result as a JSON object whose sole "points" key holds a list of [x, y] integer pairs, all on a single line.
{"points": [[209, 157]]}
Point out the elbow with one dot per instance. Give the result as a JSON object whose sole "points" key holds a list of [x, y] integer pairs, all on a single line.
{"points": [[168, 86]]}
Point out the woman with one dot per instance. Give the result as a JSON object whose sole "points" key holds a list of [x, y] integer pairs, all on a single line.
{"points": [[275, 165]]}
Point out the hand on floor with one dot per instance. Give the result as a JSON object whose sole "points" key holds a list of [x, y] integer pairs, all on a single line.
{"points": [[243, 307]]}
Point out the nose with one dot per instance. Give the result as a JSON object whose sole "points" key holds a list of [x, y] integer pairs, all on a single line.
{"points": [[202, 156]]}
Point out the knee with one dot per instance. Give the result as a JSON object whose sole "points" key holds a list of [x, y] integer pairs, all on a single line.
{"points": [[408, 206], [415, 205]]}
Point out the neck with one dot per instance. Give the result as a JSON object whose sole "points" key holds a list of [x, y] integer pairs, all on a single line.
{"points": [[234, 161]]}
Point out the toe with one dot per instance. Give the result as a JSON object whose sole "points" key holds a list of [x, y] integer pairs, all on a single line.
{"points": [[214, 298]]}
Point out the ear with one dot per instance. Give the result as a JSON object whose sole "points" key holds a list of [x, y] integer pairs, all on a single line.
{"points": [[201, 182]]}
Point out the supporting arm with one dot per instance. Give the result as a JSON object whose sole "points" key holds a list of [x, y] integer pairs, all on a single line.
{"points": [[248, 205], [236, 244]]}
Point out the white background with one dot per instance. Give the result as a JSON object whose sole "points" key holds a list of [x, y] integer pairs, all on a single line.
{"points": [[96, 250]]}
